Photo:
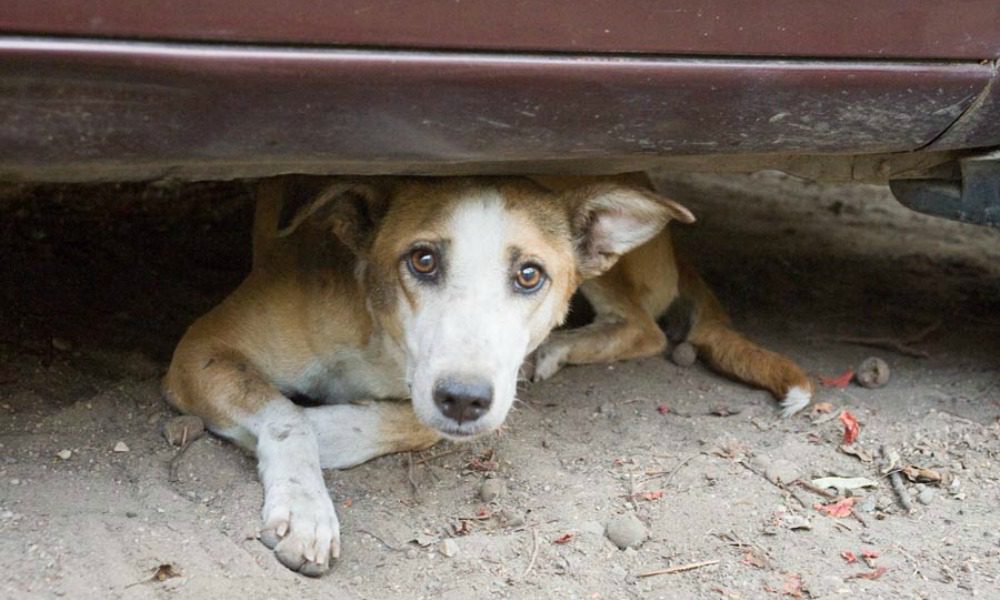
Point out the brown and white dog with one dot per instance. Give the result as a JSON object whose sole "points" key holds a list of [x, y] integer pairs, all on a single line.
{"points": [[408, 306]]}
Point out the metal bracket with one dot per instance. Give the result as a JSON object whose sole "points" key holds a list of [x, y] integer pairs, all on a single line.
{"points": [[975, 198]]}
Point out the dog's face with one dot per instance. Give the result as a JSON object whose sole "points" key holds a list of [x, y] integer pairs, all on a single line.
{"points": [[468, 276]]}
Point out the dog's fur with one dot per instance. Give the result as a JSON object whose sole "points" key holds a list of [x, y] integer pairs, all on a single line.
{"points": [[336, 309]]}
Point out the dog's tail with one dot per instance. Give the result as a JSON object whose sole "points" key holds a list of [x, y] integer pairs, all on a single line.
{"points": [[698, 318], [266, 218]]}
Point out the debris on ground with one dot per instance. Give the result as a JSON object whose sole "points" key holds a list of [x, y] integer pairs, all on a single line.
{"points": [[851, 427], [120, 447], [873, 373], [184, 429], [844, 484], [889, 467], [840, 381], [448, 548], [684, 355], [626, 531], [838, 509], [491, 489]]}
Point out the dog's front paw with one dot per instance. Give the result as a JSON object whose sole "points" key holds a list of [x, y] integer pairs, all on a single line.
{"points": [[549, 358], [300, 525]]}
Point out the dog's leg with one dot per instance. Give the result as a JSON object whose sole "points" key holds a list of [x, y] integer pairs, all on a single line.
{"points": [[621, 330], [727, 351], [291, 444], [350, 434]]}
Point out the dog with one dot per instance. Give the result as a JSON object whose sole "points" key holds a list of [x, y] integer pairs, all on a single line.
{"points": [[408, 305]]}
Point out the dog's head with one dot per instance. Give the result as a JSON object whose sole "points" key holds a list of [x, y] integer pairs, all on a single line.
{"points": [[469, 275]]}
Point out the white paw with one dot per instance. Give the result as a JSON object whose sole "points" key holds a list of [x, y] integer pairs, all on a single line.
{"points": [[795, 400], [300, 525], [549, 358]]}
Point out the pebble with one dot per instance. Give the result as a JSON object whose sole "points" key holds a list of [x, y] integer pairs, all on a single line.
{"points": [[121, 447], [511, 518], [873, 372], [867, 505], [412, 553], [782, 471], [626, 531], [794, 522], [64, 454], [448, 548], [174, 429], [684, 355], [926, 496], [491, 489]]}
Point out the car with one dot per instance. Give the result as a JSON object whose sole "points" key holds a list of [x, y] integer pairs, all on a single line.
{"points": [[885, 91]]}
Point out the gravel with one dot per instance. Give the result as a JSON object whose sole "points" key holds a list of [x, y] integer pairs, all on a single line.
{"points": [[626, 531]]}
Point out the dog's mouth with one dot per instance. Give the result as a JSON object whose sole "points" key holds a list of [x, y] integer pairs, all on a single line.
{"points": [[461, 434]]}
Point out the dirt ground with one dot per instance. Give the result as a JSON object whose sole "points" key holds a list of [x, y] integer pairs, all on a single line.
{"points": [[98, 282]]}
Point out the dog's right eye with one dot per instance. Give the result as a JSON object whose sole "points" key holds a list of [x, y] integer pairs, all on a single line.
{"points": [[423, 263]]}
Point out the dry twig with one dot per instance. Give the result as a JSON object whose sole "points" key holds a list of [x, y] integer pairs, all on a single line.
{"points": [[902, 346], [534, 552], [895, 479], [680, 568], [424, 461]]}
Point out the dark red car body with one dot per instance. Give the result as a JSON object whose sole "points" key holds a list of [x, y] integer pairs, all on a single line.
{"points": [[872, 90]]}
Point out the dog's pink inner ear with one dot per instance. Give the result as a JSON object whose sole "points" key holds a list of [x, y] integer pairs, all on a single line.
{"points": [[611, 220]]}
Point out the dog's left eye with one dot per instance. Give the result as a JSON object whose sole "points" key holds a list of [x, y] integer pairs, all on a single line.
{"points": [[529, 278], [423, 262]]}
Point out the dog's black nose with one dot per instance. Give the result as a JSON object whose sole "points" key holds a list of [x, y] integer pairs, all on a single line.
{"points": [[463, 401]]}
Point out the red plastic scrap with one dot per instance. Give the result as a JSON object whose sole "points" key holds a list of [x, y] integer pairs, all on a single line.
{"points": [[869, 574], [851, 427], [839, 509], [840, 381]]}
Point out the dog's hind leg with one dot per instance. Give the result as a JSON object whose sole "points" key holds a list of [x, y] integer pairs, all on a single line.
{"points": [[622, 329], [706, 326]]}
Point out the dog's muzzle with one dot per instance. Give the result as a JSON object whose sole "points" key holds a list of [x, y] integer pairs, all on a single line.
{"points": [[463, 400]]}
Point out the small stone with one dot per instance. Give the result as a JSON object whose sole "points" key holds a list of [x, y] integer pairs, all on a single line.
{"points": [[15, 482], [131, 514], [606, 408], [795, 522], [64, 454], [448, 548], [121, 447], [511, 518], [782, 471], [867, 505], [412, 553], [873, 372], [626, 531], [926, 496], [491, 489], [183, 429], [61, 344], [683, 355]]}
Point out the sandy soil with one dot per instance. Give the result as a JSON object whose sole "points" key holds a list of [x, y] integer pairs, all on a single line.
{"points": [[97, 283]]}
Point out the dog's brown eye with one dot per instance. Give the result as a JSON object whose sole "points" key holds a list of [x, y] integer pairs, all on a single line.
{"points": [[423, 262], [529, 278]]}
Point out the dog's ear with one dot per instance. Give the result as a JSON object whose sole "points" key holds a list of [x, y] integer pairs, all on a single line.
{"points": [[610, 219], [352, 209]]}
